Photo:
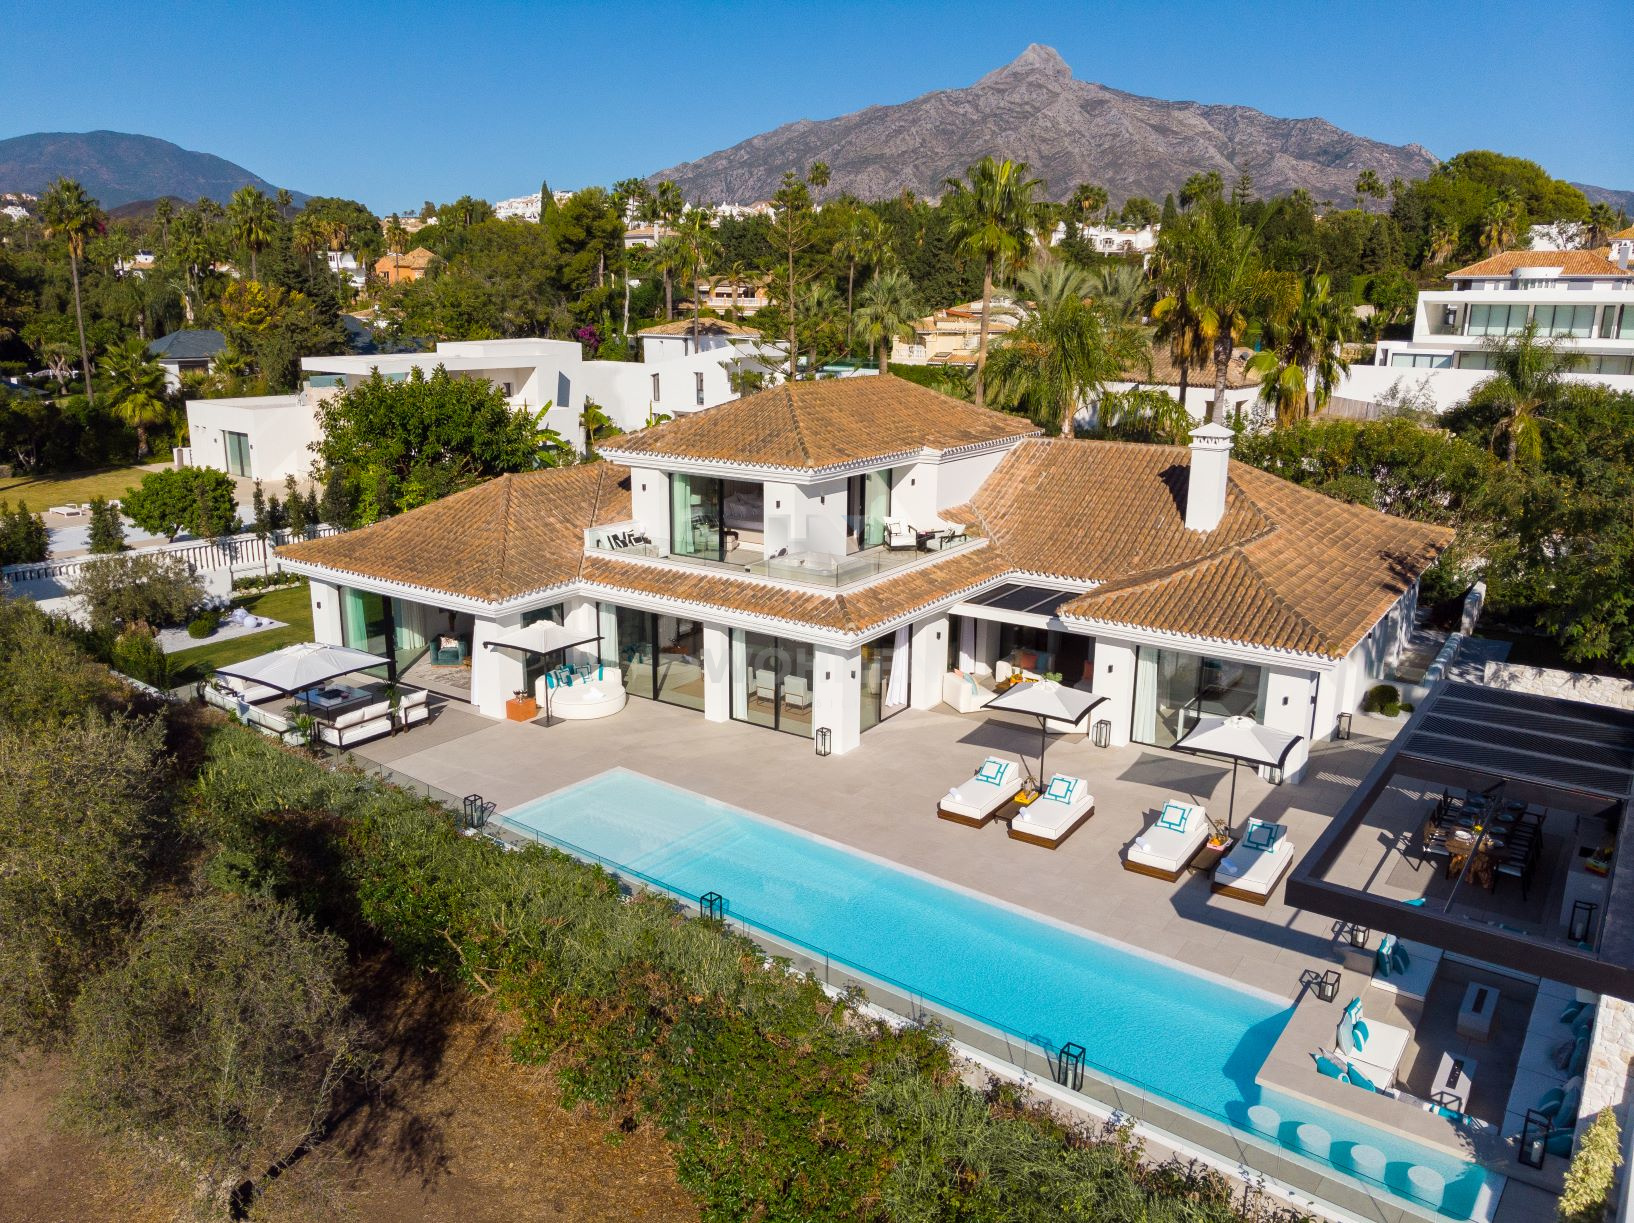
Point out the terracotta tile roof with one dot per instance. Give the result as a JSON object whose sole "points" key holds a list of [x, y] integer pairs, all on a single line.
{"points": [[856, 611], [1622, 234], [1286, 567], [805, 426], [1166, 373], [706, 326], [507, 537], [1570, 263]]}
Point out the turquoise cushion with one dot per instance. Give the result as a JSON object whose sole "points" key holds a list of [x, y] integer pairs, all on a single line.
{"points": [[1329, 1068], [550, 679], [1585, 1022], [1572, 1011], [1398, 958], [1262, 835], [1449, 1114], [1580, 1056], [990, 771], [1060, 789], [1357, 1078], [1358, 1034], [600, 668], [1418, 902], [1174, 817], [1549, 1103], [1568, 1107], [1353, 1008], [1559, 1142], [1383, 962]]}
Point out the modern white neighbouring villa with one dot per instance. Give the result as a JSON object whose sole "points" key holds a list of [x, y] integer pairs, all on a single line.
{"points": [[1583, 298], [817, 557]]}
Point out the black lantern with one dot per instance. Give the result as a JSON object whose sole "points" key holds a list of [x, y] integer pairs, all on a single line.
{"points": [[1581, 926], [712, 904], [1344, 726], [1534, 1139], [825, 741], [1102, 733], [1325, 985], [1359, 935], [1069, 1067]]}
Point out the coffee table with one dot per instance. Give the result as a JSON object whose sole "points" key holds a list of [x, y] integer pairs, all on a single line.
{"points": [[1454, 1078]]}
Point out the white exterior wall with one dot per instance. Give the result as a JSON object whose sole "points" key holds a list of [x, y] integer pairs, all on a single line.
{"points": [[1115, 680], [280, 429], [958, 479], [1288, 693], [783, 515], [913, 494], [326, 624], [649, 504], [928, 658], [836, 696], [824, 526], [496, 675], [717, 673]]}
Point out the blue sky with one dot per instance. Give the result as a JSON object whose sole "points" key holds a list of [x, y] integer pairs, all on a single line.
{"points": [[393, 103]]}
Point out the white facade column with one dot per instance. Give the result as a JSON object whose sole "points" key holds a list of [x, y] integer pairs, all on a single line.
{"points": [[1288, 709], [496, 675], [836, 698], [326, 622], [1115, 680], [929, 657], [717, 662]]}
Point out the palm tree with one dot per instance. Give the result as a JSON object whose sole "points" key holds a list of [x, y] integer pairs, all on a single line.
{"points": [[991, 220], [886, 312], [1175, 313], [1527, 373], [1500, 224], [68, 212], [1085, 202], [663, 207], [703, 247], [284, 200], [818, 175], [1368, 185], [1303, 358], [1226, 282], [163, 211], [1120, 290], [137, 385], [865, 240], [1065, 349], [250, 214], [668, 256], [1441, 244]]}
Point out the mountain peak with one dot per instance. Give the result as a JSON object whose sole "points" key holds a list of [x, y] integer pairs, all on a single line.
{"points": [[1036, 61]]}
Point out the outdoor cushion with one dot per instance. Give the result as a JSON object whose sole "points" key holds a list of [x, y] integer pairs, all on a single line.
{"points": [[1358, 1034], [1174, 817], [1549, 1103], [1060, 789], [1559, 1142], [1325, 1065], [1572, 1011], [1384, 958], [1399, 960], [990, 771], [1585, 1022], [1353, 1008], [1358, 1079], [1580, 1056], [1568, 1106], [1262, 835], [1347, 1036]]}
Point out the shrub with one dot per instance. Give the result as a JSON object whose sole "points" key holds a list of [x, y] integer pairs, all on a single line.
{"points": [[1382, 698], [107, 527], [194, 499], [204, 624], [137, 653], [23, 537], [157, 588], [45, 676], [1592, 1172]]}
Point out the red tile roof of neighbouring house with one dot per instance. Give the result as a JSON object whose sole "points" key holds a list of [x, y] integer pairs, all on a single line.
{"points": [[1570, 263]]}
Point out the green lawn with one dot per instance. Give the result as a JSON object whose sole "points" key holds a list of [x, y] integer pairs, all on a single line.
{"points": [[293, 606], [38, 493]]}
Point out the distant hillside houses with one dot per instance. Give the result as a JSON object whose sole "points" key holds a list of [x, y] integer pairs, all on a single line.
{"points": [[527, 207], [1111, 240]]}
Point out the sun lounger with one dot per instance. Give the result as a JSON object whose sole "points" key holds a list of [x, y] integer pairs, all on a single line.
{"points": [[1055, 814], [1374, 1048], [1404, 968], [979, 798], [1252, 870], [1166, 848]]}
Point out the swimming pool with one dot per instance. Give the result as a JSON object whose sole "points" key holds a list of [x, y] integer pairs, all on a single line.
{"points": [[1191, 1038]]}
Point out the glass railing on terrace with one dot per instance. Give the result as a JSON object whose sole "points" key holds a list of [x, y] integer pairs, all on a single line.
{"points": [[808, 568]]}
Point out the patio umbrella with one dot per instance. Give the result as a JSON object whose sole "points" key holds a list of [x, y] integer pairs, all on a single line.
{"points": [[1044, 699], [1240, 739], [542, 637], [300, 667]]}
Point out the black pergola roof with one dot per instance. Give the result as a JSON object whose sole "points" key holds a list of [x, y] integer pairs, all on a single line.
{"points": [[1034, 600]]}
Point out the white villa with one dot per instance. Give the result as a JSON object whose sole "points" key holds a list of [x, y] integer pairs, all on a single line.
{"points": [[1112, 240], [267, 437], [820, 556], [1586, 298]]}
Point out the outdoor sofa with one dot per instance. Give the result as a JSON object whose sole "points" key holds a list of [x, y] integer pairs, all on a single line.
{"points": [[584, 699], [967, 691], [1374, 1048], [1405, 969], [1256, 864], [375, 719], [1165, 849], [1061, 806], [980, 797]]}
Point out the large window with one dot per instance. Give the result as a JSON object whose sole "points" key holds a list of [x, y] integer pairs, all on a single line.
{"points": [[659, 657], [885, 677], [363, 620], [695, 518], [238, 452], [1617, 323], [868, 505], [772, 682], [1420, 360], [1496, 320], [1174, 689], [1577, 321]]}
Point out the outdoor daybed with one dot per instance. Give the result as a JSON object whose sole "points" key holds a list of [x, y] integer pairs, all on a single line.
{"points": [[1166, 848], [1404, 968], [1052, 817], [372, 721], [1371, 1047], [967, 691], [1252, 870], [979, 798], [583, 700]]}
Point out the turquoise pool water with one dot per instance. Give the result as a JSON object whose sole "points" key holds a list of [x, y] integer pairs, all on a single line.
{"points": [[1190, 1038]]}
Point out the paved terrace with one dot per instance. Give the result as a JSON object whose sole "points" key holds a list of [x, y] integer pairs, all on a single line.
{"points": [[881, 798]]}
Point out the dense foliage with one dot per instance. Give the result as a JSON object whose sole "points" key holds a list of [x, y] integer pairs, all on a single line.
{"points": [[198, 500]]}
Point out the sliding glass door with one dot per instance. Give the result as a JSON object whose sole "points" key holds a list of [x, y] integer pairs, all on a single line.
{"points": [[1174, 689], [660, 658], [696, 527], [885, 672], [772, 682]]}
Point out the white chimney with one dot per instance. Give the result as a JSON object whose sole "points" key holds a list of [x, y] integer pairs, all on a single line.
{"points": [[1206, 485]]}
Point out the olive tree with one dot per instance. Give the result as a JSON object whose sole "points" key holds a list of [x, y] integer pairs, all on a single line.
{"points": [[158, 589]]}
